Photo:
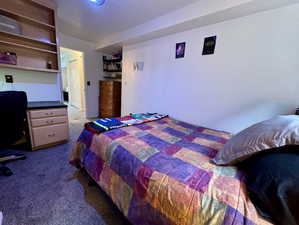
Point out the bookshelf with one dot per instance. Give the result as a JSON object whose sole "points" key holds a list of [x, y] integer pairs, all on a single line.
{"points": [[113, 65], [36, 43]]}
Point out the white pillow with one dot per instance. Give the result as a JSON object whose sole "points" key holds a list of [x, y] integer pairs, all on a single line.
{"points": [[273, 133]]}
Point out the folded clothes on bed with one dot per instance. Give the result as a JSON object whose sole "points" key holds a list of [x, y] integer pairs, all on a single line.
{"points": [[106, 124]]}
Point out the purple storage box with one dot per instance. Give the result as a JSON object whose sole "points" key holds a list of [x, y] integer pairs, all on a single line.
{"points": [[8, 59]]}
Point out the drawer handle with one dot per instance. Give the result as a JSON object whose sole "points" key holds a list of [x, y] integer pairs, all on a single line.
{"points": [[51, 135], [50, 121]]}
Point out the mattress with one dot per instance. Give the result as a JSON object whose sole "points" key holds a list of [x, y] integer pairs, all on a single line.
{"points": [[159, 173]]}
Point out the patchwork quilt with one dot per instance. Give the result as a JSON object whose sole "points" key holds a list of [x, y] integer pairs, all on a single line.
{"points": [[159, 173]]}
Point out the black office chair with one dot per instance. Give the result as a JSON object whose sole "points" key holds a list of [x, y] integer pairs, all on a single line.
{"points": [[13, 105]]}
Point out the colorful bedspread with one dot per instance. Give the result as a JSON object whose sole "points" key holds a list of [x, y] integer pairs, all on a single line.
{"points": [[159, 173]]}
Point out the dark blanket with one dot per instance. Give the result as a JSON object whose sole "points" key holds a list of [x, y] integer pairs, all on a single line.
{"points": [[273, 184]]}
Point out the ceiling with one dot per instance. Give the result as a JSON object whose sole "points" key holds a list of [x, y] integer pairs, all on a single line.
{"points": [[85, 20]]}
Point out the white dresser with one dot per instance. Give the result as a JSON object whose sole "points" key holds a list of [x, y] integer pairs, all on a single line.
{"points": [[47, 124]]}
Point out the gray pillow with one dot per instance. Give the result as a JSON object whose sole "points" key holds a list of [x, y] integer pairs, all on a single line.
{"points": [[273, 133]]}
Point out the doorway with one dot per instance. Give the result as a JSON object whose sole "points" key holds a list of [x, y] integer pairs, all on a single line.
{"points": [[73, 79]]}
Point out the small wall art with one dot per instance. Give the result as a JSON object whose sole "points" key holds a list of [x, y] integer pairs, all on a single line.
{"points": [[180, 50], [209, 45]]}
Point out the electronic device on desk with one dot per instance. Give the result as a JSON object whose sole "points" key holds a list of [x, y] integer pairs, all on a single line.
{"points": [[297, 111]]}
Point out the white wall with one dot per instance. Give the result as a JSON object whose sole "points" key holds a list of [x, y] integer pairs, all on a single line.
{"points": [[92, 69], [198, 14], [39, 86], [253, 75]]}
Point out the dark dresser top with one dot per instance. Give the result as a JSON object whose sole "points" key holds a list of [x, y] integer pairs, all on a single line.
{"points": [[44, 105]]}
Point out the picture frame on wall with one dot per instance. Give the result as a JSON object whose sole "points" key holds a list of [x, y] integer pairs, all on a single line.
{"points": [[180, 50], [209, 45]]}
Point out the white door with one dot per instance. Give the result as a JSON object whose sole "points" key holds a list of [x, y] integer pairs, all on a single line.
{"points": [[76, 83]]}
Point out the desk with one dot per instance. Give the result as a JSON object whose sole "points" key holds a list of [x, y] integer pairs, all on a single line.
{"points": [[47, 124]]}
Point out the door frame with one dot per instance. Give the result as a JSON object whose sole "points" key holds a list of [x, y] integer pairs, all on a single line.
{"points": [[82, 78]]}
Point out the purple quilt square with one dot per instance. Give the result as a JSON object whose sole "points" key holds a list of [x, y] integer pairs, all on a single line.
{"points": [[198, 148], [189, 138], [210, 137], [200, 180], [142, 181], [155, 142], [125, 165], [174, 132], [161, 162], [234, 217], [115, 133], [213, 153], [86, 137], [143, 126], [170, 166], [171, 150], [182, 172], [143, 213], [160, 121], [186, 125], [93, 164]]}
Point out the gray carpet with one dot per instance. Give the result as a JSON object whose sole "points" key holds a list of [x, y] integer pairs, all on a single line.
{"points": [[45, 190]]}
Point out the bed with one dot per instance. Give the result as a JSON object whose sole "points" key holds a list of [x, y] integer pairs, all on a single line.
{"points": [[159, 173]]}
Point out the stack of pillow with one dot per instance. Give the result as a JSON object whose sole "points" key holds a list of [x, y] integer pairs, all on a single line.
{"points": [[268, 153]]}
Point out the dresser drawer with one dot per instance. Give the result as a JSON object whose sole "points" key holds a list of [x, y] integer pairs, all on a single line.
{"points": [[48, 121], [49, 134], [35, 114]]}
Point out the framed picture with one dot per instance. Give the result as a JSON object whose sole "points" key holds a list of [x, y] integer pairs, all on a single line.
{"points": [[180, 50], [209, 45]]}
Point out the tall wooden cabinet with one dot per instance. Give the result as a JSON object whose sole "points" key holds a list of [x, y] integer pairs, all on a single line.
{"points": [[110, 99]]}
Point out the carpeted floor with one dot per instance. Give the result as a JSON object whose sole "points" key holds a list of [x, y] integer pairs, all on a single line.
{"points": [[45, 190]]}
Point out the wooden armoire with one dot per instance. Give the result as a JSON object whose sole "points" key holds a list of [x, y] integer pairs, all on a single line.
{"points": [[110, 99]]}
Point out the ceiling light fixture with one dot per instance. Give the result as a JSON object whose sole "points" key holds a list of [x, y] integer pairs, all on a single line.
{"points": [[98, 2]]}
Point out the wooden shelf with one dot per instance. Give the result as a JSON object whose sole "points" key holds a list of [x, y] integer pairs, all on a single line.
{"points": [[113, 78], [28, 68], [27, 47], [112, 60], [27, 38], [49, 5], [35, 46], [112, 71], [20, 17]]}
